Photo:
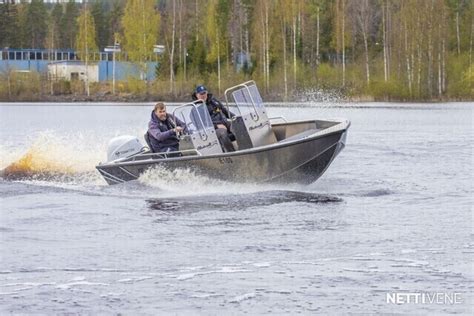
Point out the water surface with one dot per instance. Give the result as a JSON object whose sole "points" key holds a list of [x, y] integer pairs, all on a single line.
{"points": [[393, 213]]}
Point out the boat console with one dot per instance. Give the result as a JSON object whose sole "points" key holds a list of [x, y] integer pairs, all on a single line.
{"points": [[252, 126], [201, 134]]}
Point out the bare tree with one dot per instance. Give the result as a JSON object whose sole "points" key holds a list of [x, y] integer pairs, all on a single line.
{"points": [[172, 48], [180, 31], [294, 49], [470, 47], [384, 38], [296, 8], [442, 50], [317, 36], [430, 49], [267, 46], [262, 15], [418, 41], [408, 60], [340, 34], [343, 29], [388, 36], [362, 11], [458, 37], [285, 75]]}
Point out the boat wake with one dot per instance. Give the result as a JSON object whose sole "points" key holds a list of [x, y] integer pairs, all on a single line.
{"points": [[35, 164], [54, 161], [51, 158], [186, 183]]}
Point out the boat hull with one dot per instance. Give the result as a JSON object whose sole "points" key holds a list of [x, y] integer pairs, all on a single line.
{"points": [[298, 161]]}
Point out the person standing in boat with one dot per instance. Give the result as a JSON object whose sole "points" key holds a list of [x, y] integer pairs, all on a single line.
{"points": [[220, 117], [163, 130]]}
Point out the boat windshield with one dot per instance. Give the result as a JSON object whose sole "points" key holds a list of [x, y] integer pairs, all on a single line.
{"points": [[199, 126], [195, 116], [253, 120], [248, 99]]}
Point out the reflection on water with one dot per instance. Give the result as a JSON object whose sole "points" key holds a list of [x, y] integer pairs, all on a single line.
{"points": [[237, 201]]}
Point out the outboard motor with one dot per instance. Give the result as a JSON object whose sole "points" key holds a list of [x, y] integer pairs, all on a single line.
{"points": [[123, 147]]}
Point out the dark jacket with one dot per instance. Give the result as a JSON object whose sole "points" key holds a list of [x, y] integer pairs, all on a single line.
{"points": [[219, 113], [162, 136]]}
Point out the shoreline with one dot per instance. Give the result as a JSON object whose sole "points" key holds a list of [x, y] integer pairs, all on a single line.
{"points": [[299, 104], [128, 99]]}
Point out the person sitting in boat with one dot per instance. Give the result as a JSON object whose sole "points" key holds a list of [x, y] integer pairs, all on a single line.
{"points": [[220, 117], [163, 130]]}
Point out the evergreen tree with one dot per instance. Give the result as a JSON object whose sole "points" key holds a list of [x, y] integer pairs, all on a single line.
{"points": [[113, 19], [197, 57], [101, 29], [53, 40], [8, 26], [36, 26], [68, 26], [3, 24], [56, 14]]}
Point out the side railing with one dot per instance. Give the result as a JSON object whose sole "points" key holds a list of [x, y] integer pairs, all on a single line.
{"points": [[163, 155]]}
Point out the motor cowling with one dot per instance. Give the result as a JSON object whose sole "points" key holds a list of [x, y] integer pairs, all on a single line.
{"points": [[123, 147]]}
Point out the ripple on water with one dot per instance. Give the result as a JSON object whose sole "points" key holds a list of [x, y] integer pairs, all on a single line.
{"points": [[243, 297]]}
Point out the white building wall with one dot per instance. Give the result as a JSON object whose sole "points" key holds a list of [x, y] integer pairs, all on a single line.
{"points": [[68, 71]]}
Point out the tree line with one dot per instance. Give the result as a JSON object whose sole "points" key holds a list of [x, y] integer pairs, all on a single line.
{"points": [[385, 49]]}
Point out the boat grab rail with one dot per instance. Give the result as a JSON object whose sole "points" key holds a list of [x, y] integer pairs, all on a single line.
{"points": [[164, 155], [245, 85]]}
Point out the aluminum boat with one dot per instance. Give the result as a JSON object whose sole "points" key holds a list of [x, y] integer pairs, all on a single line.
{"points": [[267, 149]]}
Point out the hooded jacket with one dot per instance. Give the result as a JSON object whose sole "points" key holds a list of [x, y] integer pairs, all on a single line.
{"points": [[162, 135]]}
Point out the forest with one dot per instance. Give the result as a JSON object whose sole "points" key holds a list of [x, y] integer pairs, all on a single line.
{"points": [[399, 50]]}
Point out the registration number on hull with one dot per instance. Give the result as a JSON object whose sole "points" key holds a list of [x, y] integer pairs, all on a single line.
{"points": [[225, 160]]}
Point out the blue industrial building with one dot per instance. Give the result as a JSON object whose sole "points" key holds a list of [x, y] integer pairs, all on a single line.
{"points": [[37, 60]]}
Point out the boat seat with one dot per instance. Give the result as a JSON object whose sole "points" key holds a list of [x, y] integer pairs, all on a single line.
{"points": [[300, 135], [240, 133], [147, 140], [185, 142]]}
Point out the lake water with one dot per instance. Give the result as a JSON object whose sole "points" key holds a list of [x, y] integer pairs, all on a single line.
{"points": [[393, 215]]}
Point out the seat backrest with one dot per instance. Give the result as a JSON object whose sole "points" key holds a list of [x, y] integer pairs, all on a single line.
{"points": [[148, 142]]}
